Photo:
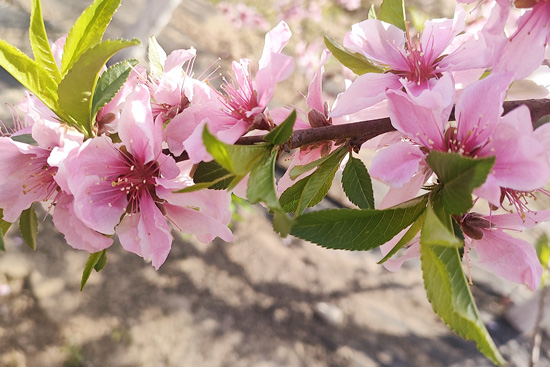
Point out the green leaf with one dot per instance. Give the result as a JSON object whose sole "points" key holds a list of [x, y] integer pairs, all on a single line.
{"points": [[291, 197], [450, 296], [4, 226], [282, 133], [320, 180], [357, 184], [237, 159], [156, 57], [354, 229], [29, 73], [110, 82], [40, 44], [372, 12], [101, 262], [96, 261], [78, 85], [24, 138], [407, 237], [357, 63], [282, 224], [28, 225], [298, 170], [87, 31], [459, 176], [438, 233], [261, 183], [543, 250], [393, 12]]}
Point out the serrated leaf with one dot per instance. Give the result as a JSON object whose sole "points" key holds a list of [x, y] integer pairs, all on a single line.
{"points": [[110, 83], [210, 175], [407, 237], [95, 259], [40, 44], [282, 133], [87, 31], [357, 184], [459, 176], [451, 299], [320, 180], [357, 63], [28, 225], [156, 56], [393, 12], [24, 138], [78, 85], [30, 74], [237, 159], [438, 233], [355, 229], [372, 12], [261, 182]]}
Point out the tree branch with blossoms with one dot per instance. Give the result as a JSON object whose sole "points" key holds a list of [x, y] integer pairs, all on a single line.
{"points": [[134, 153]]}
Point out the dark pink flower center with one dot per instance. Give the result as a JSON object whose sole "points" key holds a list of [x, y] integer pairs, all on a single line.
{"points": [[240, 101], [421, 66]]}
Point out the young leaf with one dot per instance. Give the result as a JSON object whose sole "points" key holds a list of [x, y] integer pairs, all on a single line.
{"points": [[87, 31], [282, 224], [543, 250], [393, 12], [24, 138], [407, 237], [30, 74], [354, 229], [298, 170], [438, 233], [211, 175], [40, 44], [110, 82], [459, 176], [261, 183], [357, 184], [156, 57], [291, 197], [372, 12], [319, 180], [78, 85], [97, 259], [282, 133], [237, 159], [450, 296], [4, 226], [28, 225], [357, 63]]}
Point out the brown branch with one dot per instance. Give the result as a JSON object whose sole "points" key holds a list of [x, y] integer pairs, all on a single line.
{"points": [[362, 131]]}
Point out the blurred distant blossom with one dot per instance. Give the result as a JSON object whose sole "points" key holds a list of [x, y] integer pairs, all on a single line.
{"points": [[241, 15], [307, 57], [350, 5], [300, 9]]}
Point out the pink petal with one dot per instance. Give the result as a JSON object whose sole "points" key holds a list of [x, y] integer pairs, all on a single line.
{"points": [[76, 233], [315, 89], [511, 258], [477, 111], [147, 233], [279, 68], [398, 195], [516, 222], [490, 190], [177, 58], [367, 90], [136, 128], [423, 125], [397, 164], [379, 41], [275, 41]]}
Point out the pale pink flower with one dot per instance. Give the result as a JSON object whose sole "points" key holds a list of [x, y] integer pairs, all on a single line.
{"points": [[414, 63], [128, 186], [245, 100]]}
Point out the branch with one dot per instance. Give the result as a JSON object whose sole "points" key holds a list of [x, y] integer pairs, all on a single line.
{"points": [[362, 131]]}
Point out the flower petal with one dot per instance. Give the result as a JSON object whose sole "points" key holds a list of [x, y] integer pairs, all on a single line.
{"points": [[397, 164]]}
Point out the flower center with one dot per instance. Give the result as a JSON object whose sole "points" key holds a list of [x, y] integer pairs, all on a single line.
{"points": [[420, 67]]}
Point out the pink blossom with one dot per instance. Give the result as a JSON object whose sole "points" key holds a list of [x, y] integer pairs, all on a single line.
{"points": [[245, 100], [521, 164], [415, 63], [128, 186]]}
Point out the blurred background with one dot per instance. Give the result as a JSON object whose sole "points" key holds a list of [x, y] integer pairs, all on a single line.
{"points": [[259, 301]]}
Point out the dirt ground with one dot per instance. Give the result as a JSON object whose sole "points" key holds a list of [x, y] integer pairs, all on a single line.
{"points": [[259, 301]]}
